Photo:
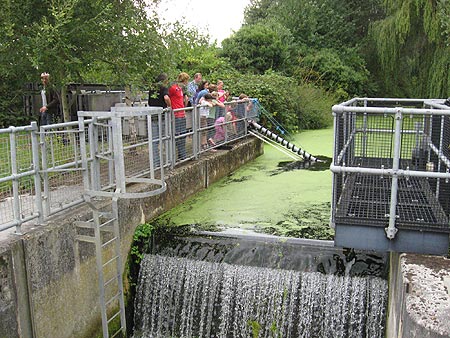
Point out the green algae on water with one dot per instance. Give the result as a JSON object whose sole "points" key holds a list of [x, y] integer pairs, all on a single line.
{"points": [[291, 203]]}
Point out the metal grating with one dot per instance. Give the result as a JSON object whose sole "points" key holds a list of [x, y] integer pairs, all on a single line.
{"points": [[366, 200]]}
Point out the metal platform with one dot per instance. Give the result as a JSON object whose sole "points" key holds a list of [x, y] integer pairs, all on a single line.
{"points": [[363, 214], [391, 175]]}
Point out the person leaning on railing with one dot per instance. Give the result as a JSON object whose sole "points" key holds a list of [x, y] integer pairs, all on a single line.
{"points": [[179, 100], [158, 96]]}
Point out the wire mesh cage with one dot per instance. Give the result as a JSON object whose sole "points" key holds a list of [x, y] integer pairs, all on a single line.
{"points": [[391, 164], [125, 146]]}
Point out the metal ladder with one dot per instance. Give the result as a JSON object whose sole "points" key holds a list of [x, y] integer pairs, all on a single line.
{"points": [[107, 236]]}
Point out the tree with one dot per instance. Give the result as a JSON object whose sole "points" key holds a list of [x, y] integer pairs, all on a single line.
{"points": [[327, 40], [412, 44], [255, 48]]}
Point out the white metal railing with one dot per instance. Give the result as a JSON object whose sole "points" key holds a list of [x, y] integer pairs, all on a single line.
{"points": [[385, 137], [45, 170]]}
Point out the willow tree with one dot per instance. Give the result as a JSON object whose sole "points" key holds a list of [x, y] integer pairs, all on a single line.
{"points": [[412, 44]]}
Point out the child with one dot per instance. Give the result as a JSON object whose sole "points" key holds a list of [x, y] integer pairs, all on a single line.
{"points": [[209, 104]]}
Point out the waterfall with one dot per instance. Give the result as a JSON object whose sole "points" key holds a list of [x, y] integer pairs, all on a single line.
{"points": [[178, 297]]}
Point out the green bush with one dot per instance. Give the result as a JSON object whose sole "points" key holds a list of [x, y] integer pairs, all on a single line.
{"points": [[295, 106]]}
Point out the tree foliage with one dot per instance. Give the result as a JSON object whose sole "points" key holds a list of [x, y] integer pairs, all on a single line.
{"points": [[255, 48], [295, 56], [327, 38], [412, 43]]}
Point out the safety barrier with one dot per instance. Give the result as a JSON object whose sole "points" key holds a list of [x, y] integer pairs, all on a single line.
{"points": [[43, 170]]}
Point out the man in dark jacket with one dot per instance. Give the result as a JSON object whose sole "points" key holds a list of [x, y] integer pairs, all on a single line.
{"points": [[158, 96], [50, 100]]}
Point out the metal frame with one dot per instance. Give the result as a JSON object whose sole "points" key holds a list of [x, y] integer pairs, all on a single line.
{"points": [[61, 172], [348, 137]]}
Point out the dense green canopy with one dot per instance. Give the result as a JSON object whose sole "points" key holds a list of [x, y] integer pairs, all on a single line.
{"points": [[325, 50]]}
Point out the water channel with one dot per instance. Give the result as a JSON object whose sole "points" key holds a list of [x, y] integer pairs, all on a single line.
{"points": [[270, 195], [258, 285]]}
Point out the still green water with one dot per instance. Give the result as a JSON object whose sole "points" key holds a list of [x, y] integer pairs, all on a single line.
{"points": [[267, 197]]}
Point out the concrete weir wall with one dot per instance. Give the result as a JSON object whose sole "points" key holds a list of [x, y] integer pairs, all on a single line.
{"points": [[48, 280], [419, 296]]}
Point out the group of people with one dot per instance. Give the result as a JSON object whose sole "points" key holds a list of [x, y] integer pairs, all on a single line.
{"points": [[210, 99]]}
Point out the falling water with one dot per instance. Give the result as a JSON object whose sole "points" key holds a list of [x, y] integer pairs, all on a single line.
{"points": [[178, 297]]}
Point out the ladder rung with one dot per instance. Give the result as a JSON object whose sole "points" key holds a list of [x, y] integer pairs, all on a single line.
{"points": [[107, 222], [84, 224], [115, 315], [113, 298], [111, 280], [85, 238], [109, 242], [115, 334], [110, 261]]}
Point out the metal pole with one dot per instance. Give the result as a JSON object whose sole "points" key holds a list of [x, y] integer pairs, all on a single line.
{"points": [[83, 150], [160, 136], [167, 128], [110, 152], [333, 176], [441, 145], [391, 230], [151, 144], [119, 163], [196, 134], [93, 149], [172, 139], [364, 144], [37, 174], [15, 182], [46, 197]]}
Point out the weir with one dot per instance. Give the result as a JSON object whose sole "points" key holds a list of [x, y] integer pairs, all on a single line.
{"points": [[179, 297], [247, 284]]}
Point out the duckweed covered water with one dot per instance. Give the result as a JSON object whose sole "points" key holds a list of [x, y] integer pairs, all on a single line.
{"points": [[272, 194]]}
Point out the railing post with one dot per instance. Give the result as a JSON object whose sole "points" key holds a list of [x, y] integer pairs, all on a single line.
{"points": [[37, 173], [195, 133], [391, 230], [151, 143], [160, 137], [111, 153], [333, 176], [173, 133], [83, 150], [119, 164], [15, 182], [46, 197], [167, 133], [441, 145], [93, 149]]}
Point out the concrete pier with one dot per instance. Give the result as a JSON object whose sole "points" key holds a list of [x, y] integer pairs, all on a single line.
{"points": [[419, 296]]}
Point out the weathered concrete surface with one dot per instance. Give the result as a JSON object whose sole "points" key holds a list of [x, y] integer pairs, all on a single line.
{"points": [[419, 296], [48, 280]]}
